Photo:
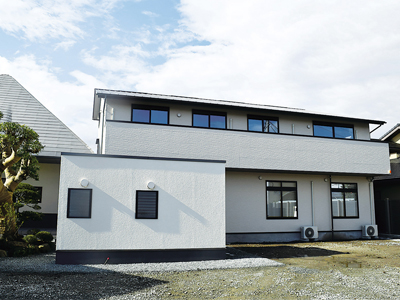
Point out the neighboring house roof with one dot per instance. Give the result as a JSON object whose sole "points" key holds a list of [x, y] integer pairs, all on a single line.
{"points": [[391, 133], [18, 105], [100, 93]]}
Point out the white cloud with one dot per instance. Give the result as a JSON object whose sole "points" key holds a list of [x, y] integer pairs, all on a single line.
{"points": [[71, 102], [43, 19], [150, 14]]}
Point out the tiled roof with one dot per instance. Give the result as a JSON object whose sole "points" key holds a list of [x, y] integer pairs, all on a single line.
{"points": [[18, 105]]}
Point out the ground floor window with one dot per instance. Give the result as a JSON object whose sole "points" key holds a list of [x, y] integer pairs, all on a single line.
{"points": [[281, 199], [79, 203], [146, 204], [344, 200]]}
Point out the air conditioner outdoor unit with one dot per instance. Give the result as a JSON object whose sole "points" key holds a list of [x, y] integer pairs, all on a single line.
{"points": [[309, 232], [369, 231]]}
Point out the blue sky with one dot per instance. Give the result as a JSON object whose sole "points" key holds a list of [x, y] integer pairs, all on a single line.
{"points": [[336, 56]]}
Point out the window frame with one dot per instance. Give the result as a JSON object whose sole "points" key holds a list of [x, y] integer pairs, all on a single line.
{"points": [[149, 108], [137, 204], [281, 189], [209, 114], [262, 119], [333, 125], [344, 191], [69, 204]]}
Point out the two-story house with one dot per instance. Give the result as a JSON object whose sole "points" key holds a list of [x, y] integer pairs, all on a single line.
{"points": [[178, 177]]}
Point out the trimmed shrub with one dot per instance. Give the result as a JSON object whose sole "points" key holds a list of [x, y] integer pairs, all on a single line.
{"points": [[44, 236], [30, 239]]}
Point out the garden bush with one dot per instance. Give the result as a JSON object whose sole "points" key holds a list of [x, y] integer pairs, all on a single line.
{"points": [[31, 239], [44, 236]]}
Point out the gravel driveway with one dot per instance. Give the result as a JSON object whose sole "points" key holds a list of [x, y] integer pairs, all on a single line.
{"points": [[340, 270]]}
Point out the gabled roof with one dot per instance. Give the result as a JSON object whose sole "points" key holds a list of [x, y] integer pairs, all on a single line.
{"points": [[18, 105], [391, 133], [101, 93]]}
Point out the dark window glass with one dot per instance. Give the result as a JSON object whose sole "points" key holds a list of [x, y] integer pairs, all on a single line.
{"points": [[209, 119], [159, 116], [200, 120], [344, 133], [146, 205], [79, 203], [141, 115], [217, 122], [39, 189], [333, 130], [273, 126], [325, 131], [262, 124], [150, 114], [344, 200], [281, 199], [255, 125]]}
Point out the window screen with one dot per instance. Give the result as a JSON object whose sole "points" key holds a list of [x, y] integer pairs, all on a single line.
{"points": [[79, 203], [146, 204]]}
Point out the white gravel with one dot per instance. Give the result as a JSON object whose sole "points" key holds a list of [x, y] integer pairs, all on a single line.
{"points": [[46, 263]]}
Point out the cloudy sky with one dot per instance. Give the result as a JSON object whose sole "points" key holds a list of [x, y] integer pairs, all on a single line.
{"points": [[335, 56]]}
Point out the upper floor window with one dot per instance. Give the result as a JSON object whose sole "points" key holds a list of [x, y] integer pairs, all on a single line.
{"points": [[333, 130], [150, 114], [209, 119], [344, 200], [262, 124], [281, 199]]}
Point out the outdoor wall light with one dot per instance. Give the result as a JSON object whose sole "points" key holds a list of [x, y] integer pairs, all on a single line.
{"points": [[326, 179], [308, 126], [84, 182], [179, 115], [151, 185], [260, 177]]}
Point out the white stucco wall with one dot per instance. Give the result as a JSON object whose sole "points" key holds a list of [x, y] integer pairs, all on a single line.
{"points": [[49, 178], [246, 203], [191, 209], [249, 150]]}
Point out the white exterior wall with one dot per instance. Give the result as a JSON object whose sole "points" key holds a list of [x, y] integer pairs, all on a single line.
{"points": [[191, 207], [49, 178], [248, 150], [246, 203], [122, 111]]}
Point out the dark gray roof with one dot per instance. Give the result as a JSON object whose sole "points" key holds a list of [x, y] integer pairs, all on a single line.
{"points": [[99, 93], [18, 105], [391, 133]]}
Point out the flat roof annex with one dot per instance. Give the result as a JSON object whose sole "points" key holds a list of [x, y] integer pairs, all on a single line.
{"points": [[101, 93]]}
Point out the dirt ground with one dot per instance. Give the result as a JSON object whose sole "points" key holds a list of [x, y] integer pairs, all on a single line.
{"points": [[368, 269]]}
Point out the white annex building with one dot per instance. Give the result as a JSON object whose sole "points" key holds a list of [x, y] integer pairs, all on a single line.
{"points": [[18, 105], [176, 178]]}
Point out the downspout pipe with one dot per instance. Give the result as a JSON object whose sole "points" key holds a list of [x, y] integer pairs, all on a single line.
{"points": [[103, 121], [330, 192], [371, 202], [312, 204]]}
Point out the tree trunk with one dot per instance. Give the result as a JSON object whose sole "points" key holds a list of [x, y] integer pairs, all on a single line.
{"points": [[6, 198]]}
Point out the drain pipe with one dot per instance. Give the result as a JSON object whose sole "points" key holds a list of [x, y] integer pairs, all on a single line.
{"points": [[312, 203], [372, 209], [330, 193]]}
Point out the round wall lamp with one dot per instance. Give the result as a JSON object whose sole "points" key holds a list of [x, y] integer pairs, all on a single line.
{"points": [[151, 185], [260, 177], [178, 115], [84, 182], [308, 126]]}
